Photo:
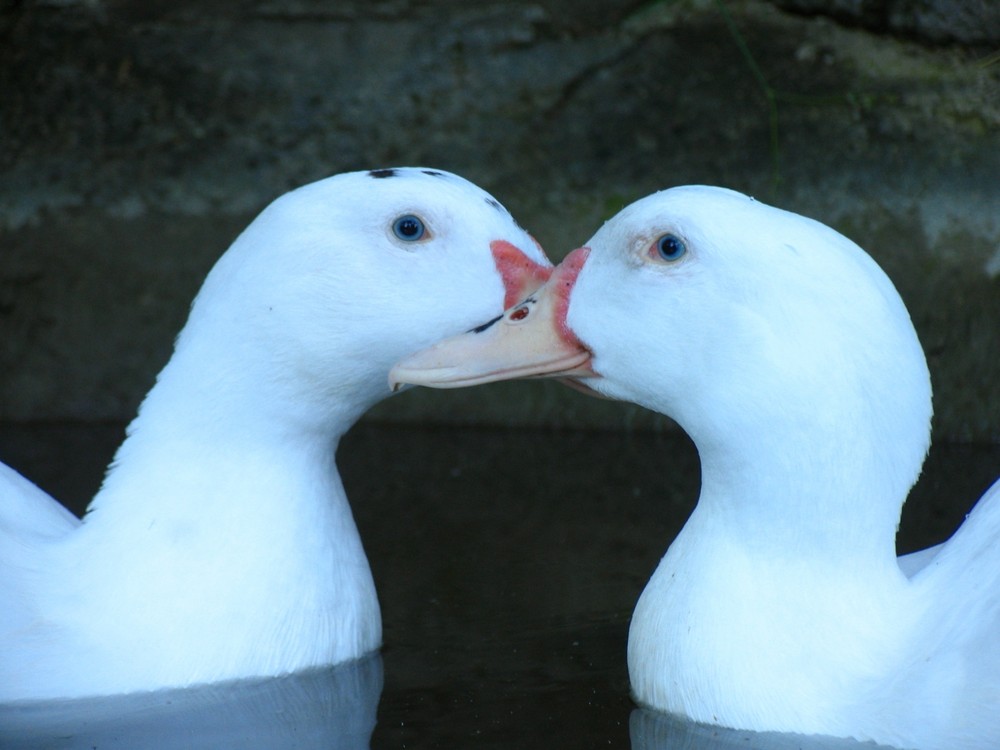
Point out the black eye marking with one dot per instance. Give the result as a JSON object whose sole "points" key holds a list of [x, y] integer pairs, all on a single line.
{"points": [[432, 173], [484, 326], [382, 173]]}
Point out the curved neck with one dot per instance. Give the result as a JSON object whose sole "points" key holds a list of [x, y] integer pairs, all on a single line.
{"points": [[234, 493], [223, 423], [810, 488]]}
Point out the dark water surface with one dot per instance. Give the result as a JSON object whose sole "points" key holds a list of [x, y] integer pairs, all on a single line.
{"points": [[507, 564]]}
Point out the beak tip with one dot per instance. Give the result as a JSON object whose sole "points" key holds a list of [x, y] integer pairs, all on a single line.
{"points": [[395, 382]]}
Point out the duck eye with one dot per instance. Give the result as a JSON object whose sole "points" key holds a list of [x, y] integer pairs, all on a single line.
{"points": [[408, 228], [670, 247]]}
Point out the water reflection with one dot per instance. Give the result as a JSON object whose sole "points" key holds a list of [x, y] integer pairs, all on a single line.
{"points": [[655, 731], [322, 708], [507, 565]]}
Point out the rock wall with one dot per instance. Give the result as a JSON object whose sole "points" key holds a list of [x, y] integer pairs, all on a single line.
{"points": [[139, 137]]}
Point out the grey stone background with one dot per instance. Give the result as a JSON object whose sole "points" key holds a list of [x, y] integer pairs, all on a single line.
{"points": [[137, 138]]}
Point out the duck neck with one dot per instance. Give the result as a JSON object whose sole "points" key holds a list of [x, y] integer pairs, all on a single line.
{"points": [[223, 425], [226, 491], [786, 564], [807, 490], [223, 512]]}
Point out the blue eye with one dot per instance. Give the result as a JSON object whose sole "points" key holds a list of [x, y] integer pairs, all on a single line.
{"points": [[408, 228], [670, 247]]}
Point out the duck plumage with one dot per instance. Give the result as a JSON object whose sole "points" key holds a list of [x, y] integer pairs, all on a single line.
{"points": [[221, 543], [786, 354]]}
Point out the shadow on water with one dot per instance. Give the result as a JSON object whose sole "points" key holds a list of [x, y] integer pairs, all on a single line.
{"points": [[507, 565]]}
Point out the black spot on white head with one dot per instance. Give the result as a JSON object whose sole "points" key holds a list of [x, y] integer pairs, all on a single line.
{"points": [[382, 173], [496, 204], [432, 173]]}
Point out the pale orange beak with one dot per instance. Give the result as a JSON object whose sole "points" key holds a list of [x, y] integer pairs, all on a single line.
{"points": [[530, 340]]}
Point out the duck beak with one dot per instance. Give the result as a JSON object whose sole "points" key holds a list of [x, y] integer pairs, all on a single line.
{"points": [[530, 340], [521, 275]]}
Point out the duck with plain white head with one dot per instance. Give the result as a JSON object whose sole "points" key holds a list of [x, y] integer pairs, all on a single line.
{"points": [[787, 355], [221, 544]]}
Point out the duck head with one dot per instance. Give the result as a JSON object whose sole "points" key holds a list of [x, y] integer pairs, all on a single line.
{"points": [[335, 281], [746, 323]]}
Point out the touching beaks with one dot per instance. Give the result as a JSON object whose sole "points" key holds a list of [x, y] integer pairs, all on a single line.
{"points": [[530, 340], [520, 274]]}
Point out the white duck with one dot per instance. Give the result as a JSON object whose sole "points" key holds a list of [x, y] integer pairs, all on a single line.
{"points": [[221, 543], [789, 358]]}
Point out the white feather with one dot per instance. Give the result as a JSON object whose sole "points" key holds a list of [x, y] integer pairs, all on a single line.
{"points": [[787, 355], [221, 544]]}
